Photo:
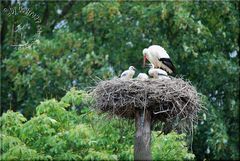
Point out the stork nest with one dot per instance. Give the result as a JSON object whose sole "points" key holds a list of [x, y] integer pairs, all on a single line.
{"points": [[174, 102]]}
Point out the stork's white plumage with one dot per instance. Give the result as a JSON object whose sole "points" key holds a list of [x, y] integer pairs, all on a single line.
{"points": [[128, 74], [142, 76], [159, 58], [158, 73]]}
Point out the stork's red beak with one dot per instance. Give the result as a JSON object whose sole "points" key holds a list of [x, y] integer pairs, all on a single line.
{"points": [[144, 60]]}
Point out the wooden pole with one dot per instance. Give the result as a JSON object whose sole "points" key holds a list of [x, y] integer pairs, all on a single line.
{"points": [[142, 147]]}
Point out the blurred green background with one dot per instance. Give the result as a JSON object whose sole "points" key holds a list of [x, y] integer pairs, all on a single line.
{"points": [[48, 47]]}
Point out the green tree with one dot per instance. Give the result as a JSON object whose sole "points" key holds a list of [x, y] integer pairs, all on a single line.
{"points": [[81, 40], [56, 132]]}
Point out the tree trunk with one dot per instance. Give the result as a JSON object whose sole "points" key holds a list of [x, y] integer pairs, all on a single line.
{"points": [[142, 147]]}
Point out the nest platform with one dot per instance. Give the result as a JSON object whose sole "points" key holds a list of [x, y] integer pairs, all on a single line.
{"points": [[170, 101]]}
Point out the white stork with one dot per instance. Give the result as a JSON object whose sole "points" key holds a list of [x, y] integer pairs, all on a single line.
{"points": [[158, 73], [159, 58], [128, 74], [142, 76]]}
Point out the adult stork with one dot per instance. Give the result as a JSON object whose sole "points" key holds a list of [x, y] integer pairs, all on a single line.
{"points": [[158, 57], [128, 74], [158, 73]]}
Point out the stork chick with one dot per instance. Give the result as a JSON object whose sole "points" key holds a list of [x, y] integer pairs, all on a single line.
{"points": [[128, 74], [142, 76], [158, 73]]}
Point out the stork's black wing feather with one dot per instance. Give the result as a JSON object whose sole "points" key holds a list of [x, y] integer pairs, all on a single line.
{"points": [[160, 74], [168, 63], [123, 74]]}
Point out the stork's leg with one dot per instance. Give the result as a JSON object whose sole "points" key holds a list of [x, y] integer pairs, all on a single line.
{"points": [[153, 66]]}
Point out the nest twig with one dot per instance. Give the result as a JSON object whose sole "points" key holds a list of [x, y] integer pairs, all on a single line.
{"points": [[175, 101]]}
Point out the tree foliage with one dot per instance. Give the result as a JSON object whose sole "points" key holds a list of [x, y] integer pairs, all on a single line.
{"points": [[56, 133], [84, 40]]}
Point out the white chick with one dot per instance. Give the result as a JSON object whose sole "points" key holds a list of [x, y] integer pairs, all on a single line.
{"points": [[142, 76], [128, 74]]}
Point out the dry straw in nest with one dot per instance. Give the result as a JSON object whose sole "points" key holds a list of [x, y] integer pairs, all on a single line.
{"points": [[174, 101]]}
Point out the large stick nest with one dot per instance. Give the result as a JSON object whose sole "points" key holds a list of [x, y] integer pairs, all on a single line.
{"points": [[172, 101]]}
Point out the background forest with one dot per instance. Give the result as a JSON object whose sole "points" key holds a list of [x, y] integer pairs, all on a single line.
{"points": [[54, 50]]}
